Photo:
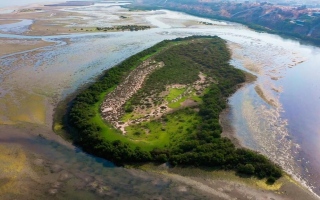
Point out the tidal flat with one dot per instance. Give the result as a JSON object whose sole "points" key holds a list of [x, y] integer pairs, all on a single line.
{"points": [[33, 82]]}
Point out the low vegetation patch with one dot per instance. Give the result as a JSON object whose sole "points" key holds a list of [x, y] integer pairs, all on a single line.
{"points": [[123, 28], [172, 115]]}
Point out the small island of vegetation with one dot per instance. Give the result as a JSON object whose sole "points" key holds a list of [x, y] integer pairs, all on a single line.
{"points": [[163, 105], [124, 28]]}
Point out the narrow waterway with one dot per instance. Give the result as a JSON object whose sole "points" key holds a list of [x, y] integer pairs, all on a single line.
{"points": [[278, 115]]}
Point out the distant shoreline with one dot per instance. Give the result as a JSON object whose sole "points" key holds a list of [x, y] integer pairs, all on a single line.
{"points": [[259, 28], [29, 3]]}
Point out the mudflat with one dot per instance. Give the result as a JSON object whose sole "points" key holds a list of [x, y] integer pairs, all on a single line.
{"points": [[10, 46]]}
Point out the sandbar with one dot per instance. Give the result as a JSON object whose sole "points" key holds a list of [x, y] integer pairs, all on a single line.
{"points": [[10, 46]]}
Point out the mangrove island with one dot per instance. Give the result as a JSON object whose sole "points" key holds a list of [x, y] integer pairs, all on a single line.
{"points": [[163, 105]]}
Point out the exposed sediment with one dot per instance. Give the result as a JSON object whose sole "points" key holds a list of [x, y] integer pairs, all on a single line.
{"points": [[112, 107], [156, 110]]}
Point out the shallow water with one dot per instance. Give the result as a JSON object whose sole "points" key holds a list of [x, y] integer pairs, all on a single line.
{"points": [[286, 130], [18, 27], [68, 173]]}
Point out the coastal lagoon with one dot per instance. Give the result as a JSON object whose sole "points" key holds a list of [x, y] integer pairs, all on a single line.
{"points": [[277, 115]]}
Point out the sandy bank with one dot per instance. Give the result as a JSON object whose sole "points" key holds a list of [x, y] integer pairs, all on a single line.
{"points": [[8, 21], [51, 20], [47, 20], [10, 46]]}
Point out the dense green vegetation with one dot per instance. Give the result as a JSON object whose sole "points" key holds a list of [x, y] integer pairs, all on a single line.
{"points": [[168, 131], [186, 137]]}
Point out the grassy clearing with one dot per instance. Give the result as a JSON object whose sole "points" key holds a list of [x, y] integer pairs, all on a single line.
{"points": [[107, 131], [174, 93], [177, 104], [111, 134], [197, 98], [131, 116], [167, 131]]}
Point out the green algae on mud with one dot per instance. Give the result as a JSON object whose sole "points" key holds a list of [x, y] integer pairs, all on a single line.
{"points": [[199, 144], [22, 107]]}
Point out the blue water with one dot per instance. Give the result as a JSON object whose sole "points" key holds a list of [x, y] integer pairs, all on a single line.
{"points": [[18, 27], [288, 133], [301, 101]]}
